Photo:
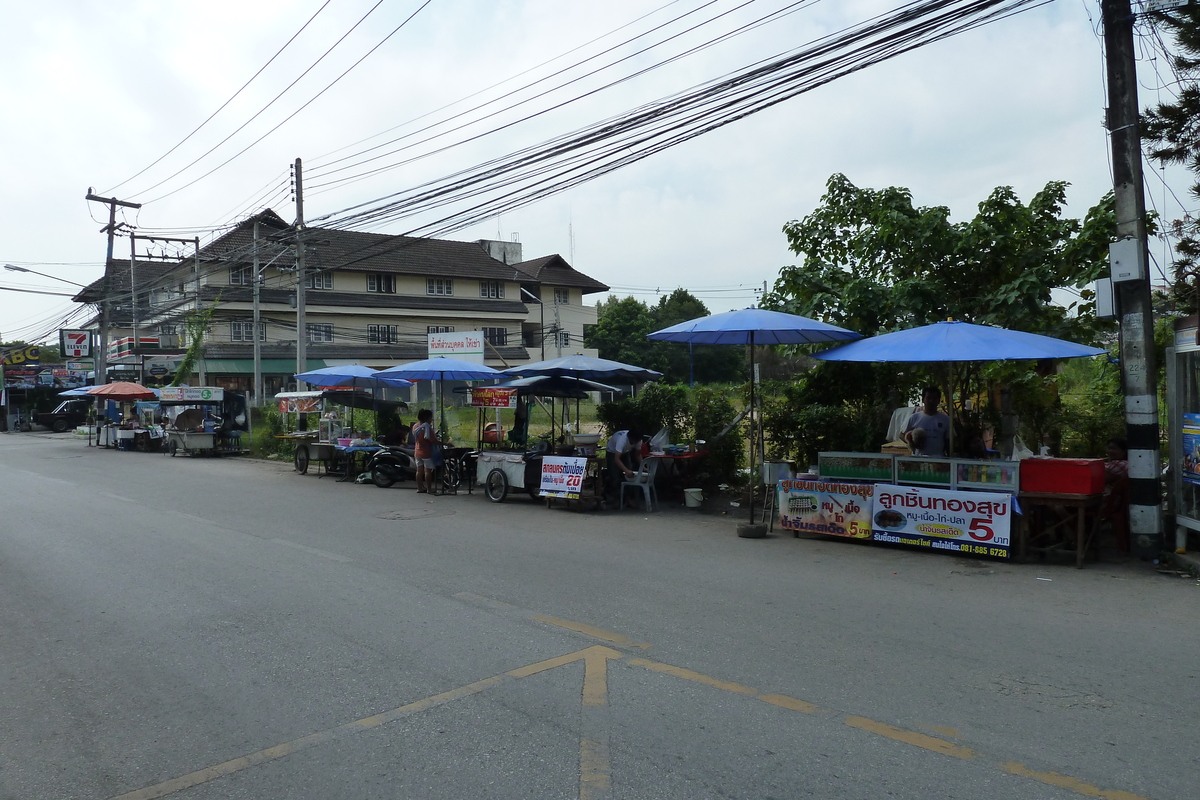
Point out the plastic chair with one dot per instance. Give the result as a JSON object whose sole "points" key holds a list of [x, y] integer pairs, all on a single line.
{"points": [[644, 480]]}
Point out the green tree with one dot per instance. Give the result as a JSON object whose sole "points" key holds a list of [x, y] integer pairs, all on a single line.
{"points": [[874, 262], [1172, 131], [620, 331]]}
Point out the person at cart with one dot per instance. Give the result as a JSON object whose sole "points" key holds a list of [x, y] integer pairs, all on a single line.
{"points": [[623, 458], [425, 439], [927, 429]]}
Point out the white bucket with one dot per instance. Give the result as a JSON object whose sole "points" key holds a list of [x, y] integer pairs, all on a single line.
{"points": [[692, 497]]}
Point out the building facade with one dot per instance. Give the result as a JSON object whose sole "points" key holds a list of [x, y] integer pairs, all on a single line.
{"points": [[368, 299]]}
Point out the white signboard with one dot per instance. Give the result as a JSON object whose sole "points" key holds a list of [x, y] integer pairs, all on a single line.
{"points": [[76, 344], [466, 346], [192, 394], [562, 476]]}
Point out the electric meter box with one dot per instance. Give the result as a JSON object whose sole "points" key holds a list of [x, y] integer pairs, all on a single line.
{"points": [[1127, 260]]}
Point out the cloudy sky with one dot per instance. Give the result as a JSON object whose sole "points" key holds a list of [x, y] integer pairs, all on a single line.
{"points": [[116, 97]]}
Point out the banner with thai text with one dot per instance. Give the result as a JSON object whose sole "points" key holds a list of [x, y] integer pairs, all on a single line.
{"points": [[830, 508], [971, 523], [562, 476]]}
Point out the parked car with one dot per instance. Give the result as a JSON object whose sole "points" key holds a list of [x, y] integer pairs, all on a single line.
{"points": [[67, 415]]}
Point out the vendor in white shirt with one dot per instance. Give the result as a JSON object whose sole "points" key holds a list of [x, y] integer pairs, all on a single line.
{"points": [[927, 429], [623, 457]]}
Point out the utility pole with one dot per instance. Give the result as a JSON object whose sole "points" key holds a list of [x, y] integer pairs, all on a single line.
{"points": [[256, 276], [111, 230], [301, 325], [1131, 281], [137, 340]]}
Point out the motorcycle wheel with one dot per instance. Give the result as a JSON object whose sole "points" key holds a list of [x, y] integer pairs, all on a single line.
{"points": [[496, 486], [382, 476]]}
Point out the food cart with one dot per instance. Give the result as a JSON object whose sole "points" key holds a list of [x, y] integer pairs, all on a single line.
{"points": [[561, 466], [204, 420], [328, 443]]}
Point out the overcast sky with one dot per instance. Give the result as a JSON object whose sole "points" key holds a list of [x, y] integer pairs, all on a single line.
{"points": [[93, 93]]}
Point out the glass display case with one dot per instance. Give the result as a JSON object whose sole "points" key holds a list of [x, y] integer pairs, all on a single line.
{"points": [[876, 467], [925, 471], [993, 476]]}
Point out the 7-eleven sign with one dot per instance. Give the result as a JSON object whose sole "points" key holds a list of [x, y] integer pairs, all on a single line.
{"points": [[75, 344]]}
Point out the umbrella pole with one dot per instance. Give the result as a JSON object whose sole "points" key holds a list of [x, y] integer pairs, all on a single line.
{"points": [[753, 484]]}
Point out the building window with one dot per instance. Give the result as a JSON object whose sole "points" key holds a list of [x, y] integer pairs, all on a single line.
{"points": [[564, 338], [168, 329], [440, 329], [320, 332], [493, 290], [321, 280], [378, 282], [239, 275], [442, 286], [244, 331], [497, 337], [562, 297], [383, 334]]}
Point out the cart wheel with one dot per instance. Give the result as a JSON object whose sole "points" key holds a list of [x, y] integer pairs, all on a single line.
{"points": [[301, 460], [173, 448], [382, 476], [496, 486]]}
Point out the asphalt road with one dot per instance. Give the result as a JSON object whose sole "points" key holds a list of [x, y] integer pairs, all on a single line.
{"points": [[203, 628]]}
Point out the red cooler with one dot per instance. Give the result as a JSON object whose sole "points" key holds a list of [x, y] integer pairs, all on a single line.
{"points": [[1063, 475]]}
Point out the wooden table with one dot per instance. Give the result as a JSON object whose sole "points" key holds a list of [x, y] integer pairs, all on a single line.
{"points": [[1080, 503]]}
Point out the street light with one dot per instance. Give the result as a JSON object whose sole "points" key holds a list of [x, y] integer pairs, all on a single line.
{"points": [[12, 268]]}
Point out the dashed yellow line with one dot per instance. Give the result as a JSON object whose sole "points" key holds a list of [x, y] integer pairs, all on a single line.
{"points": [[591, 630], [910, 737], [1067, 782]]}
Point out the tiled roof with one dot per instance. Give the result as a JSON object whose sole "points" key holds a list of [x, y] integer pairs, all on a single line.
{"points": [[355, 251], [555, 271]]}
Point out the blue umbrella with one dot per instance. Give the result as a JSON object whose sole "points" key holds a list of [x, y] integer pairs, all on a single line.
{"points": [[586, 368], [957, 341], [953, 341], [353, 375], [441, 368], [753, 326]]}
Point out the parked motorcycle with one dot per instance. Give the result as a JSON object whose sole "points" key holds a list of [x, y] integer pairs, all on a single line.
{"points": [[392, 464]]}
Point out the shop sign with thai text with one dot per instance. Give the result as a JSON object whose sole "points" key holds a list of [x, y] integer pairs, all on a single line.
{"points": [[562, 476], [192, 394], [830, 508], [493, 397], [971, 523]]}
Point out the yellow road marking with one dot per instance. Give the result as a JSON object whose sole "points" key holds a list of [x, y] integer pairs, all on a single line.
{"points": [[595, 771], [783, 701], [591, 630], [910, 737], [689, 675], [595, 691], [944, 731], [1067, 782]]}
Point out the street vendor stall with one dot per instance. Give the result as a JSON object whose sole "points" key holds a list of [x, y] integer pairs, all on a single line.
{"points": [[563, 467], [321, 431], [953, 504], [203, 420]]}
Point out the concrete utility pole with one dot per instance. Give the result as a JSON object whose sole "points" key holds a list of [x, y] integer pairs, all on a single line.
{"points": [[301, 325], [133, 305], [111, 230], [1131, 281], [256, 276]]}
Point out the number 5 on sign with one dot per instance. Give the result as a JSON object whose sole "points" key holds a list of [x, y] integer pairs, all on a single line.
{"points": [[981, 529]]}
